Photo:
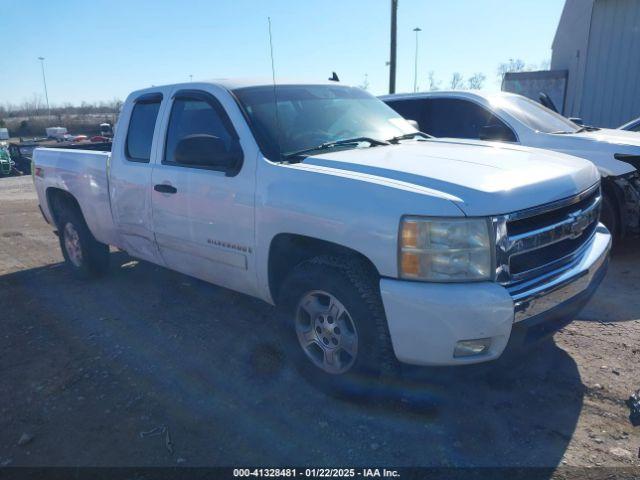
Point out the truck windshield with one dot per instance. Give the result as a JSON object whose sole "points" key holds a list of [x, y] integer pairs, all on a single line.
{"points": [[534, 115], [306, 116]]}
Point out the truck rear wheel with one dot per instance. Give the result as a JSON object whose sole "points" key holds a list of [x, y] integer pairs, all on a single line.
{"points": [[333, 308], [85, 256]]}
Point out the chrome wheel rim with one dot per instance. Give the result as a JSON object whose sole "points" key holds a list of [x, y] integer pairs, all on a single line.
{"points": [[326, 332], [72, 244]]}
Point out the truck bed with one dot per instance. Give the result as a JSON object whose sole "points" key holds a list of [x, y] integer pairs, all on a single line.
{"points": [[82, 173]]}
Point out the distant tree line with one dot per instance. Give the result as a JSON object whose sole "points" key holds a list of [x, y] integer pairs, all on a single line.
{"points": [[477, 80], [37, 107], [31, 117]]}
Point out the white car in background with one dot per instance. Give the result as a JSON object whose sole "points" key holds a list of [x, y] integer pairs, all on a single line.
{"points": [[508, 117]]}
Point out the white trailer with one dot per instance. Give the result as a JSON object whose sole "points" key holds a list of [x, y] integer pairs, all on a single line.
{"points": [[56, 132]]}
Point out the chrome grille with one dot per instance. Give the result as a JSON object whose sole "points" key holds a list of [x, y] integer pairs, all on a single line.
{"points": [[541, 242]]}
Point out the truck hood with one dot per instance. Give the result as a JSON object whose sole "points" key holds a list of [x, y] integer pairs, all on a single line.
{"points": [[481, 178], [609, 135], [599, 147]]}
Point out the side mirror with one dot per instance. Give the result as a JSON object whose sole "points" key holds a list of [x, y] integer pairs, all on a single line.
{"points": [[546, 101], [576, 120], [203, 150], [414, 124], [497, 132]]}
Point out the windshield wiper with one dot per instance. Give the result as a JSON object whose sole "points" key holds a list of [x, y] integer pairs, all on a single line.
{"points": [[408, 136], [584, 128], [587, 128], [337, 143]]}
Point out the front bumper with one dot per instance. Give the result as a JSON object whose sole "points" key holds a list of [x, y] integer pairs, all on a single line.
{"points": [[427, 320]]}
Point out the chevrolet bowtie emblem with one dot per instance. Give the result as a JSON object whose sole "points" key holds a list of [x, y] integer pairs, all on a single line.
{"points": [[580, 222]]}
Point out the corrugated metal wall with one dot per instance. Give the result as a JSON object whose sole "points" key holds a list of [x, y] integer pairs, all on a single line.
{"points": [[570, 50], [610, 91]]}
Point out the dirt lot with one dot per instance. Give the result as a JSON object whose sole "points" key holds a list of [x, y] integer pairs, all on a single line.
{"points": [[87, 368]]}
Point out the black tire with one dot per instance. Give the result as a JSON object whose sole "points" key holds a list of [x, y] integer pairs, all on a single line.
{"points": [[353, 283], [609, 216], [94, 255]]}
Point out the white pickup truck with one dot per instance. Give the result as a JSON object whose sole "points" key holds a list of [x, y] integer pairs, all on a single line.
{"points": [[379, 244]]}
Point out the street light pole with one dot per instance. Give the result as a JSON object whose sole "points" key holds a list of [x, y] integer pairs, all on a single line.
{"points": [[415, 68], [393, 40], [44, 80]]}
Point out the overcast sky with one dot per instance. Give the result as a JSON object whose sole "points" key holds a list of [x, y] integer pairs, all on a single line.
{"points": [[102, 50]]}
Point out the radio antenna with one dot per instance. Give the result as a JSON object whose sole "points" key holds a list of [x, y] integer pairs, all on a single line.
{"points": [[275, 94]]}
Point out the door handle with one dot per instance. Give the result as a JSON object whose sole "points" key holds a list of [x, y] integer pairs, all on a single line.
{"points": [[165, 188]]}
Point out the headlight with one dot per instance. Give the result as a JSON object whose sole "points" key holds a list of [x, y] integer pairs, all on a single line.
{"points": [[445, 250]]}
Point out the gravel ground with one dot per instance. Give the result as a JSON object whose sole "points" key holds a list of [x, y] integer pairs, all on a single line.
{"points": [[149, 367]]}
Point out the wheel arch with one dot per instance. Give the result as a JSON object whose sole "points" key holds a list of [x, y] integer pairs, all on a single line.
{"points": [[287, 250], [613, 192], [58, 198]]}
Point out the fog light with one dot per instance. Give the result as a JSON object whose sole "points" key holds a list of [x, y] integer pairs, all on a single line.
{"points": [[468, 348]]}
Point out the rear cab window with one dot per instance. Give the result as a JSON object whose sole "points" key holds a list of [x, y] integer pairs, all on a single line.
{"points": [[142, 125]]}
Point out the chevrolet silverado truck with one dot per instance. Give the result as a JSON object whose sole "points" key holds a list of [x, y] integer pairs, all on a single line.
{"points": [[507, 117], [378, 243]]}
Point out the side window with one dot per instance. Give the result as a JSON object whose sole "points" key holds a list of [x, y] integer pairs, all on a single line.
{"points": [[464, 119], [200, 135], [411, 110], [141, 127]]}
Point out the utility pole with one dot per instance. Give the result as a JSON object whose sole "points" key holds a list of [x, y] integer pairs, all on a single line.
{"points": [[392, 55], [44, 80], [415, 67]]}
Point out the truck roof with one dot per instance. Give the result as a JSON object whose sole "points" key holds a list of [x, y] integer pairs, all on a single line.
{"points": [[471, 94], [236, 83]]}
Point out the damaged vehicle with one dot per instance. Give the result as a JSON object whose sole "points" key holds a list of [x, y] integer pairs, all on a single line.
{"points": [[6, 164], [507, 117], [22, 154]]}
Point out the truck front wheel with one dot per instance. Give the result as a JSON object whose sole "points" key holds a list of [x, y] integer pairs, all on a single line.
{"points": [[333, 308], [82, 252]]}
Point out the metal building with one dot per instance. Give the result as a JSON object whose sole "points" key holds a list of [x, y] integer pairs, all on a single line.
{"points": [[598, 44]]}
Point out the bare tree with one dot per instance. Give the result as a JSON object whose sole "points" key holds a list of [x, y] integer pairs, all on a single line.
{"points": [[457, 81], [476, 81], [513, 65], [433, 83], [365, 83]]}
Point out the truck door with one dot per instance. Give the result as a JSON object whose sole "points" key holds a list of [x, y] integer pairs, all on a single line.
{"points": [[203, 190], [130, 175]]}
